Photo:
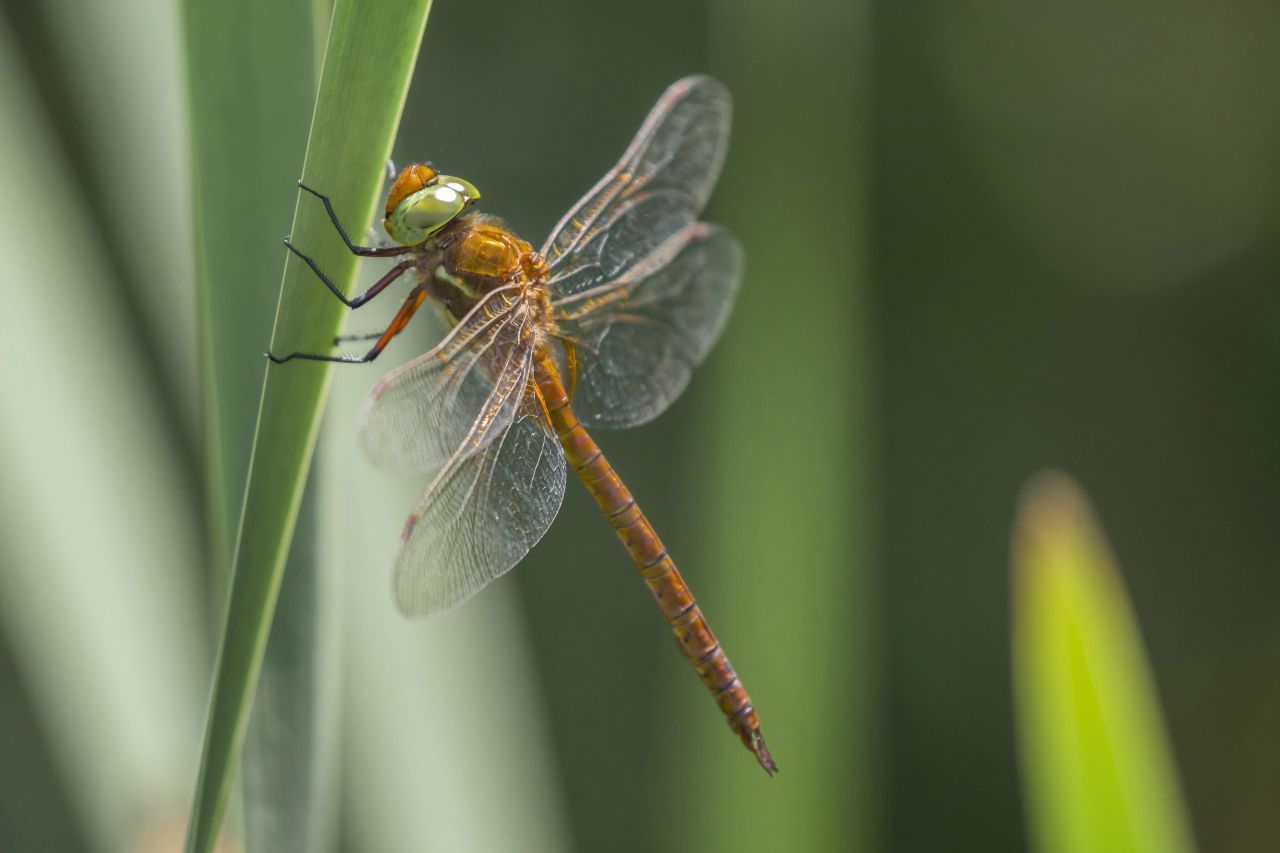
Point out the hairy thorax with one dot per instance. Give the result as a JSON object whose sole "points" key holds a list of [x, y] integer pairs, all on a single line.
{"points": [[475, 255]]}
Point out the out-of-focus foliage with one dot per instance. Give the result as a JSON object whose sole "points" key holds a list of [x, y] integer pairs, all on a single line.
{"points": [[1095, 763], [805, 499], [1142, 134], [99, 566], [999, 357]]}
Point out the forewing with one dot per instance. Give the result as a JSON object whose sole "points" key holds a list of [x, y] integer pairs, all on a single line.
{"points": [[657, 189], [455, 398], [639, 338], [479, 518]]}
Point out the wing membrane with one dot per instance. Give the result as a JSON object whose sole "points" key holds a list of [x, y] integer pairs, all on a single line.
{"points": [[455, 398], [640, 337], [479, 518], [657, 189]]}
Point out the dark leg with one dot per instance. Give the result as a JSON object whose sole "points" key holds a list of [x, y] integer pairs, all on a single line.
{"points": [[411, 304], [362, 251], [377, 287], [365, 337]]}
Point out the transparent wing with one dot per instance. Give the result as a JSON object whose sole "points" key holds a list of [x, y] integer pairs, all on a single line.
{"points": [[657, 189], [456, 397], [640, 337], [479, 518]]}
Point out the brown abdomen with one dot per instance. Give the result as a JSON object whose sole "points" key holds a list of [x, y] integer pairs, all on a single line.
{"points": [[658, 570]]}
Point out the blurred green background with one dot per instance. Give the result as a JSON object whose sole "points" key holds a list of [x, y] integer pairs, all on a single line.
{"points": [[981, 239]]}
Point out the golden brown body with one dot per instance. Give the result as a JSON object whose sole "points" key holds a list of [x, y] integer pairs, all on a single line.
{"points": [[626, 298], [477, 254]]}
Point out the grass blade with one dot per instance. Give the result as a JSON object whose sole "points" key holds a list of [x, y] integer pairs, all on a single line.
{"points": [[1097, 770], [370, 55], [253, 81], [290, 754], [252, 78]]}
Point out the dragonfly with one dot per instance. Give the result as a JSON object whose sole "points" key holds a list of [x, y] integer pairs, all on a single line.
{"points": [[601, 327]]}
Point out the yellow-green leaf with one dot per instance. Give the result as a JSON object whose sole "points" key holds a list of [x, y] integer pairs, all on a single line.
{"points": [[1097, 771]]}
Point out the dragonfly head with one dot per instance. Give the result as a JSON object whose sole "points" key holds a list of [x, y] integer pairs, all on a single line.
{"points": [[422, 201]]}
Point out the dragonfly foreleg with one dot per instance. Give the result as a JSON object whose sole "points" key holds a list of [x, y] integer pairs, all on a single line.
{"points": [[363, 251]]}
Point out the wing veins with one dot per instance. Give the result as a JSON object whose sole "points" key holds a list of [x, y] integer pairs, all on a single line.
{"points": [[458, 456], [623, 179]]}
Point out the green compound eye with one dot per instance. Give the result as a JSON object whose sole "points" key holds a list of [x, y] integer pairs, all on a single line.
{"points": [[460, 185], [425, 212]]}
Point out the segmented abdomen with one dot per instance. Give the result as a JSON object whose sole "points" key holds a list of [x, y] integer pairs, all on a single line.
{"points": [[656, 567]]}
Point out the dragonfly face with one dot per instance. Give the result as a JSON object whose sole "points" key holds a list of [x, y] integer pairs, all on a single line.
{"points": [[603, 326], [422, 201]]}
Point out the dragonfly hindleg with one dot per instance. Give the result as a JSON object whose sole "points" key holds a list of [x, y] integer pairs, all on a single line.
{"points": [[367, 336], [411, 304]]}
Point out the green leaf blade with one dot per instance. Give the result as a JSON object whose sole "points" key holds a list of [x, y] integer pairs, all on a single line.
{"points": [[370, 57], [1097, 770], [252, 84]]}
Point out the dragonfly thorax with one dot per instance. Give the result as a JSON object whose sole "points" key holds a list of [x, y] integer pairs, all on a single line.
{"points": [[475, 255], [488, 250]]}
